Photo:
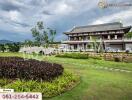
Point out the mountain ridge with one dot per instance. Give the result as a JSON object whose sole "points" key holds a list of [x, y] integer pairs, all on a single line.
{"points": [[6, 41]]}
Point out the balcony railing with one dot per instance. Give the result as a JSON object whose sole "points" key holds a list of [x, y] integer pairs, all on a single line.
{"points": [[99, 40]]}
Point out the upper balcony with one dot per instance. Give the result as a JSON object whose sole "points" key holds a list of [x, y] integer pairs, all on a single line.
{"points": [[98, 40]]}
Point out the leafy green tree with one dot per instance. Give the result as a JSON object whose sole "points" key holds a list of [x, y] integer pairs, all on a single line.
{"points": [[97, 46], [35, 43], [52, 33], [46, 38], [14, 47], [43, 35], [2, 47], [28, 43], [128, 35]]}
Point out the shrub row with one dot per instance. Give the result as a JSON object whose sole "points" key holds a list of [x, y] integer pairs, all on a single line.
{"points": [[48, 89], [96, 57], [15, 67], [73, 55]]}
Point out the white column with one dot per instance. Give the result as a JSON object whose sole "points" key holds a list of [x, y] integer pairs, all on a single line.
{"points": [[68, 38], [83, 46], [115, 36], [74, 38], [77, 46], [79, 38], [109, 37], [90, 37]]}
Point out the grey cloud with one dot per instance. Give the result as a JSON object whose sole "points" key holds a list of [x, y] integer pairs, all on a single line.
{"points": [[6, 20], [37, 2], [46, 12], [8, 5], [82, 12], [21, 24]]}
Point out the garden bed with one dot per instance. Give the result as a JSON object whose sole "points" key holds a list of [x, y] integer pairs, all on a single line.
{"points": [[18, 68], [59, 85], [35, 76]]}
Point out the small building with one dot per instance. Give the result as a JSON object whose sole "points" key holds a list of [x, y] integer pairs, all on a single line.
{"points": [[111, 35], [37, 50]]}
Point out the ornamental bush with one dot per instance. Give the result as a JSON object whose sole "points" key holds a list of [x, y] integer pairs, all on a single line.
{"points": [[18, 68], [96, 57], [73, 55]]}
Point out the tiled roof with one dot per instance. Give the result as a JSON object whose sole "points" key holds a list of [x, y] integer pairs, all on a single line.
{"points": [[99, 27]]}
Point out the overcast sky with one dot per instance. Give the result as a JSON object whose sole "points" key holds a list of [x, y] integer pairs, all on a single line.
{"points": [[17, 17]]}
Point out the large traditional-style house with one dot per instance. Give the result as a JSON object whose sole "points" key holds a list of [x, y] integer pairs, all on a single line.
{"points": [[111, 35]]}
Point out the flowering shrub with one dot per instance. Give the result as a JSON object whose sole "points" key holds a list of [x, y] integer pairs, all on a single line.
{"points": [[15, 67]]}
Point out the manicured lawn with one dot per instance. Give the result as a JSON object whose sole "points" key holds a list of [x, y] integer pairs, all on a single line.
{"points": [[97, 83]]}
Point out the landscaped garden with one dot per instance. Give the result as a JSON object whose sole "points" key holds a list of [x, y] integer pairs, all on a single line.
{"points": [[30, 75], [97, 79]]}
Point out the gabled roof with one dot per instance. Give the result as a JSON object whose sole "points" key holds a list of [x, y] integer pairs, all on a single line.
{"points": [[97, 28]]}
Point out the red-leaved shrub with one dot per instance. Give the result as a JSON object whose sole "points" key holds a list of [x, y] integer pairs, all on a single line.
{"points": [[15, 67]]}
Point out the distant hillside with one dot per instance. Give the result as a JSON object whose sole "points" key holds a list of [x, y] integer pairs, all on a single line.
{"points": [[5, 41]]}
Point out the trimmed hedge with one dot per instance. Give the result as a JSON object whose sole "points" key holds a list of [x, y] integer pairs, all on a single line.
{"points": [[73, 55], [96, 57], [15, 67]]}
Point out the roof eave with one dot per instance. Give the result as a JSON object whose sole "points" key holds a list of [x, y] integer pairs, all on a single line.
{"points": [[124, 28]]}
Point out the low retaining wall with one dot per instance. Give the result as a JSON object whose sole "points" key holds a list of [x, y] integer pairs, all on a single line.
{"points": [[119, 57]]}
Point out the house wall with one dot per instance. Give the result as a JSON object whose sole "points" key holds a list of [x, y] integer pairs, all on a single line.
{"points": [[119, 47], [128, 46], [115, 46]]}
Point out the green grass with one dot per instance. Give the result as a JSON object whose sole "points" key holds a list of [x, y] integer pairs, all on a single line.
{"points": [[96, 84], [73, 55], [57, 86]]}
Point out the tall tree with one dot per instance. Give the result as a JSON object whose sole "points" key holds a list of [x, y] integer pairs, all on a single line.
{"points": [[28, 43], [129, 35], [97, 46], [14, 47], [43, 35], [52, 33], [2, 47]]}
